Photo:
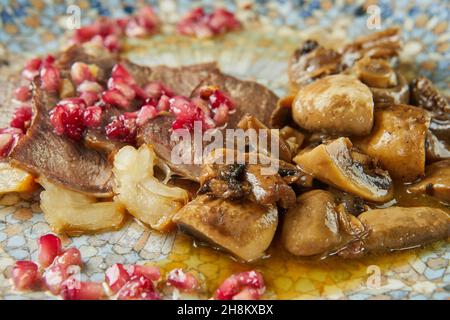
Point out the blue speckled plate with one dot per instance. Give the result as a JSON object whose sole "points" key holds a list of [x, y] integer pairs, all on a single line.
{"points": [[260, 52]]}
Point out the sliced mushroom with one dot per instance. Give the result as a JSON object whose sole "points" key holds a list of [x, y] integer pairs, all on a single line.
{"points": [[397, 228], [336, 105], [398, 141], [387, 85], [385, 44], [311, 62], [437, 149], [243, 228], [425, 95], [337, 164], [317, 225], [436, 182], [249, 122]]}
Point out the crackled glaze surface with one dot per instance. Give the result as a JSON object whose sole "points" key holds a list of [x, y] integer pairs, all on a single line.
{"points": [[260, 52]]}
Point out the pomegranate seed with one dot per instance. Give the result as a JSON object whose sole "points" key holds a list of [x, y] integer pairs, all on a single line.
{"points": [[150, 272], [250, 281], [70, 257], [140, 93], [120, 84], [156, 90], [90, 98], [72, 289], [222, 21], [218, 98], [90, 86], [145, 114], [247, 294], [182, 280], [93, 116], [49, 249], [221, 115], [122, 128], [22, 118], [111, 42], [138, 288], [25, 275], [116, 98], [67, 118], [116, 277], [143, 24], [50, 78], [80, 72], [119, 71], [54, 276], [6, 144], [48, 60], [86, 33], [22, 94], [164, 103], [32, 68]]}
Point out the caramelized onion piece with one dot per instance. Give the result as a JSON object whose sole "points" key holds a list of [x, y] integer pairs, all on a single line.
{"points": [[336, 105], [436, 182], [398, 141], [243, 228], [336, 164], [397, 228]]}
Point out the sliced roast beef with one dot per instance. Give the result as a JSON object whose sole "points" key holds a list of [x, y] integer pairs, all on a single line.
{"points": [[59, 159]]}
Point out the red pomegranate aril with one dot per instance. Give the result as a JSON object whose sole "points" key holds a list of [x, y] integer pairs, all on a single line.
{"points": [[183, 280], [145, 114], [32, 68], [112, 43], [50, 78], [86, 33], [90, 86], [116, 98], [49, 249], [48, 60], [247, 294], [22, 93], [72, 289], [25, 275], [116, 277], [122, 128], [80, 72], [70, 257], [222, 21], [67, 118], [22, 118], [122, 85], [93, 116], [234, 285], [119, 71], [140, 93], [164, 103], [90, 98], [54, 276], [218, 98], [143, 24], [221, 115], [150, 272], [137, 288], [6, 144]]}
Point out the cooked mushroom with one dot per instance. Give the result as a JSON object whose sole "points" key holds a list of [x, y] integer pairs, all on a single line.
{"points": [[398, 141], [385, 44], [282, 114], [317, 226], [425, 95], [293, 138], [336, 105], [437, 149], [311, 62], [398, 228], [436, 182], [387, 85], [243, 228], [337, 164], [250, 122]]}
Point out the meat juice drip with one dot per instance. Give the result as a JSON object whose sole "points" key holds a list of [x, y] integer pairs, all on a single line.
{"points": [[290, 277]]}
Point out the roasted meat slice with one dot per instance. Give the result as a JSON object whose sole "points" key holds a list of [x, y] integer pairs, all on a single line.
{"points": [[436, 182], [59, 159], [338, 164], [398, 141], [243, 228]]}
